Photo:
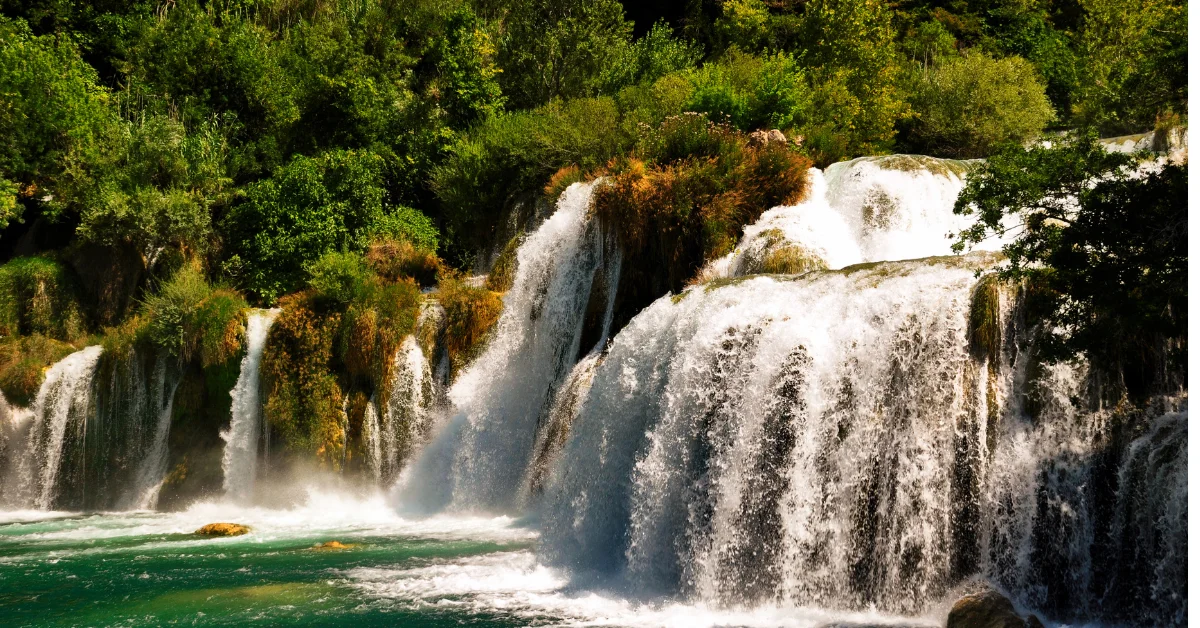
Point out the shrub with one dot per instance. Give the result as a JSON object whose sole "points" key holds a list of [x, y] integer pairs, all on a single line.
{"points": [[470, 315], [966, 106], [309, 207], [23, 362], [337, 279], [38, 296], [190, 318], [393, 260], [407, 224]]}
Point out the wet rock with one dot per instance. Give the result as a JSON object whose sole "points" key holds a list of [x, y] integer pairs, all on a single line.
{"points": [[987, 609], [331, 545], [762, 138], [223, 529]]}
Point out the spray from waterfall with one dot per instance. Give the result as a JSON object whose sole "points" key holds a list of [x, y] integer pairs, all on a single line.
{"points": [[240, 459]]}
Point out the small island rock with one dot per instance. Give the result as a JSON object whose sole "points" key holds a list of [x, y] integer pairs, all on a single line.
{"points": [[986, 609], [223, 529], [331, 545]]}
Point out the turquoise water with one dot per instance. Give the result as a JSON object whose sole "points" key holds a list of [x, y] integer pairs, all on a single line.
{"points": [[149, 569]]}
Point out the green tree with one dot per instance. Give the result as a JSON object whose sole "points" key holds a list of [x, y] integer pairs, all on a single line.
{"points": [[1102, 236], [965, 106], [54, 121], [560, 48], [311, 206], [1135, 63]]}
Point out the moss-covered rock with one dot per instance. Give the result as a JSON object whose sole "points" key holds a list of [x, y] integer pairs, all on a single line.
{"points": [[984, 331], [504, 270], [223, 529], [38, 295], [23, 363]]}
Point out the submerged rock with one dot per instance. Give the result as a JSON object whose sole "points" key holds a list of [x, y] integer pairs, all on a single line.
{"points": [[224, 529], [987, 609]]}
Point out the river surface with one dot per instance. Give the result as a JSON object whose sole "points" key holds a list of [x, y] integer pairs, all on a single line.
{"points": [[149, 569]]}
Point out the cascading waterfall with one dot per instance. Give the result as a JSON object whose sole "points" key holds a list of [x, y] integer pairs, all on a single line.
{"points": [[60, 413], [240, 459], [833, 440], [865, 210], [478, 461], [405, 421], [125, 459]]}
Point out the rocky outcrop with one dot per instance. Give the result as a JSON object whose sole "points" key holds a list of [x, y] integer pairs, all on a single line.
{"points": [[223, 529], [987, 609]]}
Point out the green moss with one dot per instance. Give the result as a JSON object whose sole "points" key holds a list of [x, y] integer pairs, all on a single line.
{"points": [[38, 296], [337, 338], [984, 321], [500, 279], [470, 315], [23, 363], [304, 399]]}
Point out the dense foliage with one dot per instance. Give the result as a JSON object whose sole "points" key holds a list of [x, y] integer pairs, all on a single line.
{"points": [[258, 135], [163, 165], [1103, 238]]}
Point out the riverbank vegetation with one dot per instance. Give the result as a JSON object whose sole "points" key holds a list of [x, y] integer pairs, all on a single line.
{"points": [[164, 165]]}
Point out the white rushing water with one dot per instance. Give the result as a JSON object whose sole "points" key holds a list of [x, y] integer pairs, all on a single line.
{"points": [[478, 460], [153, 468], [833, 440], [240, 459], [63, 404], [405, 421], [868, 209]]}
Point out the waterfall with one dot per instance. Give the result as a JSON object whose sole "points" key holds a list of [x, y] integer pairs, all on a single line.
{"points": [[868, 209], [153, 468], [405, 422], [240, 459], [832, 439], [479, 458], [124, 458], [59, 414]]}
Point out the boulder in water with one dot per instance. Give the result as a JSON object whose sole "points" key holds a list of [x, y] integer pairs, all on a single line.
{"points": [[223, 529], [986, 609], [331, 545]]}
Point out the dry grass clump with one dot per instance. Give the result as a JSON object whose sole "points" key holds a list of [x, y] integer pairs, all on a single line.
{"points": [[691, 187], [392, 259]]}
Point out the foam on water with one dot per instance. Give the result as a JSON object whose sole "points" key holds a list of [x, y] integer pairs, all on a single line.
{"points": [[515, 585]]}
